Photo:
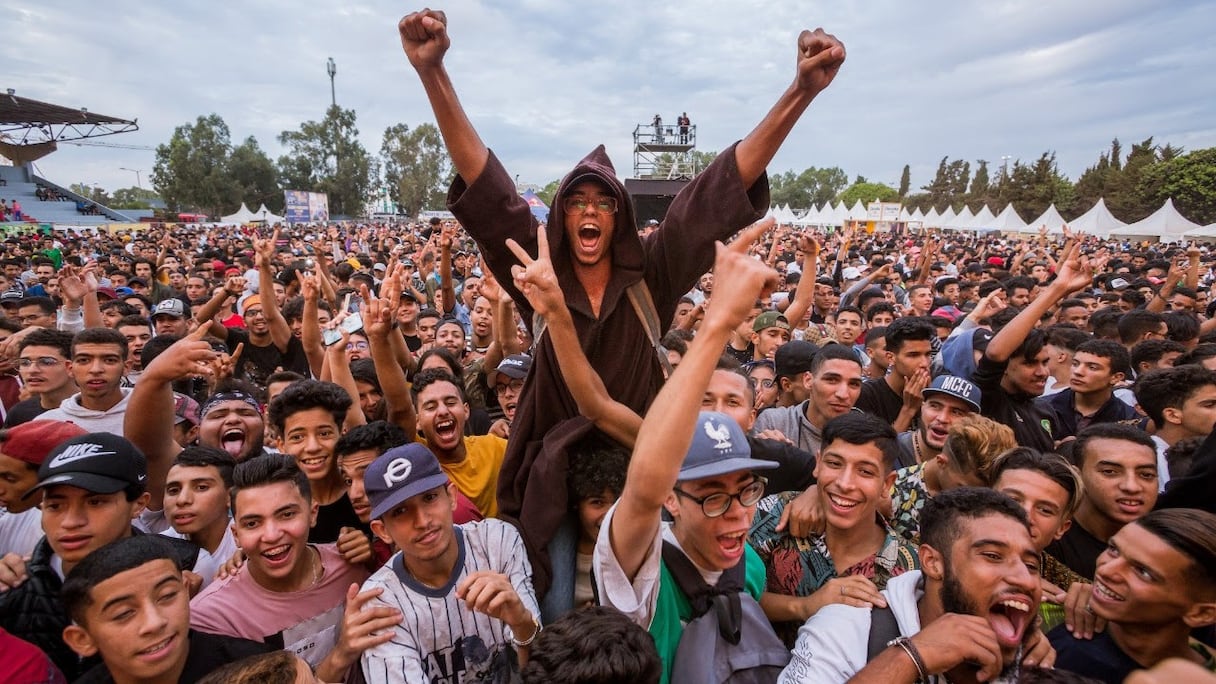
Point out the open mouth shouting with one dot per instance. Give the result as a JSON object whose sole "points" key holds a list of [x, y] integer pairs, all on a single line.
{"points": [[445, 431], [732, 545], [233, 441], [589, 237], [1009, 618]]}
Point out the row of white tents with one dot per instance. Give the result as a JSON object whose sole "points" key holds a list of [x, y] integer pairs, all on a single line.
{"points": [[243, 216], [1166, 224]]}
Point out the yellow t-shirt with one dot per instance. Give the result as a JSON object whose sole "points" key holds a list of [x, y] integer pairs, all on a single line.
{"points": [[477, 475]]}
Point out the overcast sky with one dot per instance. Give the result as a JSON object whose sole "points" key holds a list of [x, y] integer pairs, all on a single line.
{"points": [[544, 81]]}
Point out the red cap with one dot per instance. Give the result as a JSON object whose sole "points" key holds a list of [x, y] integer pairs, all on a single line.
{"points": [[218, 265], [996, 261], [32, 441]]}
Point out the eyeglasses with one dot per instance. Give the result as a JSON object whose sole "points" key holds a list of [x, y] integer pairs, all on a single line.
{"points": [[766, 383], [716, 505], [578, 204], [351, 346], [42, 361], [514, 385]]}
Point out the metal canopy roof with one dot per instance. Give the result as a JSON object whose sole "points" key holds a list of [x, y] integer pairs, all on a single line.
{"points": [[29, 122]]}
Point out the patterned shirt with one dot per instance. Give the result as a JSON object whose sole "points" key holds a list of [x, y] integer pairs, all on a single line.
{"points": [[908, 496], [799, 566]]}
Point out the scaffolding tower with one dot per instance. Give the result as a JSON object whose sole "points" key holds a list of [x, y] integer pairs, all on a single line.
{"points": [[664, 151]]}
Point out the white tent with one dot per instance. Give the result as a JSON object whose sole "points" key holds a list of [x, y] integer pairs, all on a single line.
{"points": [[932, 219], [1050, 218], [917, 215], [264, 214], [1098, 221], [947, 217], [1166, 224], [964, 220], [1207, 232], [984, 218], [242, 215], [857, 212], [840, 214], [1008, 220]]}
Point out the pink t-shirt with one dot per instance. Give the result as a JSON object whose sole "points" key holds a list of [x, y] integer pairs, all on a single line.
{"points": [[305, 622]]}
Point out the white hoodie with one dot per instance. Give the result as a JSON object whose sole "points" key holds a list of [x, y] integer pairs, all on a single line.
{"points": [[109, 420]]}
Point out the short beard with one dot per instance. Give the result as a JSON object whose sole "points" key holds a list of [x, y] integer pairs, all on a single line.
{"points": [[955, 600]]}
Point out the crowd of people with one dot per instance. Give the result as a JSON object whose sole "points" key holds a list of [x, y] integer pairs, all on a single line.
{"points": [[715, 449]]}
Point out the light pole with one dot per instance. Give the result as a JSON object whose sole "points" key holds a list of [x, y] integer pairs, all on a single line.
{"points": [[332, 69], [138, 184]]}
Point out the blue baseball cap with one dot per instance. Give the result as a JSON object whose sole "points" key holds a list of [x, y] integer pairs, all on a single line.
{"points": [[954, 386], [718, 447], [400, 473]]}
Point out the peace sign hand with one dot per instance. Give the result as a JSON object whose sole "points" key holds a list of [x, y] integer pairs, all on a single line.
{"points": [[535, 278]]}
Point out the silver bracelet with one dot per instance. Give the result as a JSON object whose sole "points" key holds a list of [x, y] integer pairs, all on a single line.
{"points": [[521, 644]]}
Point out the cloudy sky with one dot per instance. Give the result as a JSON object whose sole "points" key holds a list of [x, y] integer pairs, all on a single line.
{"points": [[546, 80]]}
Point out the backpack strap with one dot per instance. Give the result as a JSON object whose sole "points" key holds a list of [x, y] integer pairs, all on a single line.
{"points": [[643, 305], [883, 628], [723, 598]]}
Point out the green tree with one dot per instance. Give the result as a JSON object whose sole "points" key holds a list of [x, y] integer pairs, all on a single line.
{"points": [[326, 156], [905, 180], [1033, 187], [93, 192], [813, 186], [546, 193], [1127, 194], [867, 192], [977, 196], [1190, 180], [255, 176], [191, 170], [132, 198], [416, 166]]}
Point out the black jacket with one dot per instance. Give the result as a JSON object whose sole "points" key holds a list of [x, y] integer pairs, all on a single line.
{"points": [[33, 611]]}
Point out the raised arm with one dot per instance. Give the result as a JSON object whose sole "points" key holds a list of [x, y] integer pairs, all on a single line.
{"points": [[280, 332], [378, 316], [1074, 274], [666, 431], [233, 287], [148, 421], [820, 56], [310, 323], [447, 287], [538, 282], [424, 37], [804, 293]]}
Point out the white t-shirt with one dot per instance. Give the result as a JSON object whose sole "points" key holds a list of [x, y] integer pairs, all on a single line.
{"points": [[832, 646], [20, 532], [636, 599], [209, 563], [1163, 466], [439, 638]]}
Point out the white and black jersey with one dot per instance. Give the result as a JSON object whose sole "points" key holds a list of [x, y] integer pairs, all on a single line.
{"points": [[439, 639]]}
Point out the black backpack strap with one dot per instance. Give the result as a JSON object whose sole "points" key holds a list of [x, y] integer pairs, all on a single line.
{"points": [[724, 598], [883, 628]]}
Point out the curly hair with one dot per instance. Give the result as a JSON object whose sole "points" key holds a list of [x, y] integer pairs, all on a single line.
{"points": [[973, 444], [309, 394], [595, 465]]}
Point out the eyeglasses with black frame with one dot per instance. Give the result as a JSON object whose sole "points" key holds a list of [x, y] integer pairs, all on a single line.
{"points": [[577, 204], [716, 505]]}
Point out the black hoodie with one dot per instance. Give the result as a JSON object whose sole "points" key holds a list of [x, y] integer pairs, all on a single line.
{"points": [[714, 206]]}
